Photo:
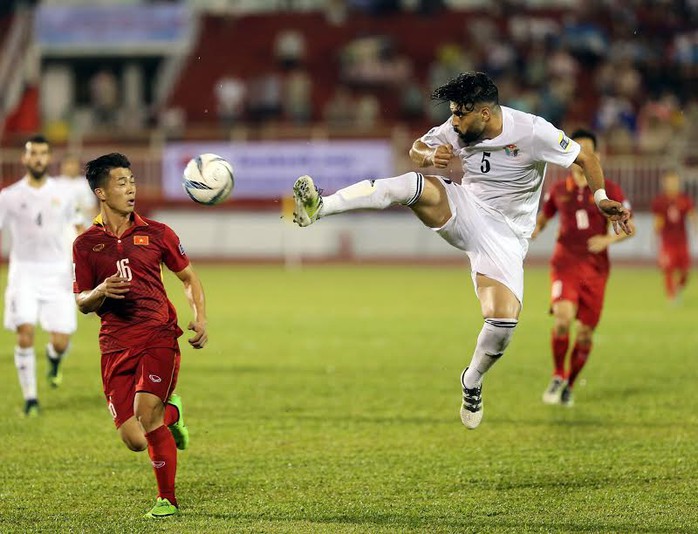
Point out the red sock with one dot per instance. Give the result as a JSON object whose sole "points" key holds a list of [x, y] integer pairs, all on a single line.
{"points": [[669, 283], [163, 455], [560, 345], [683, 278], [171, 414], [580, 353]]}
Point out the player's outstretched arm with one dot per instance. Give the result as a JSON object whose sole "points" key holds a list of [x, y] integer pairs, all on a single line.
{"points": [[613, 210], [195, 295], [114, 287], [425, 156]]}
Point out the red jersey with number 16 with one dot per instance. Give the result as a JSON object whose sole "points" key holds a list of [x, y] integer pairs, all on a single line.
{"points": [[145, 315], [580, 219]]}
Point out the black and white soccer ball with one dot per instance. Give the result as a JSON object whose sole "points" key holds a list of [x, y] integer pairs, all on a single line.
{"points": [[208, 179]]}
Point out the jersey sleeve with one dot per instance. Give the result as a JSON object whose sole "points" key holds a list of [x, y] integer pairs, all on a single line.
{"points": [[83, 276], [173, 255], [549, 205], [552, 145], [438, 135]]}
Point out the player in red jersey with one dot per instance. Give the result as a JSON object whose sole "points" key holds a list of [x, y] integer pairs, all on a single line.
{"points": [[117, 274], [671, 210], [579, 269]]}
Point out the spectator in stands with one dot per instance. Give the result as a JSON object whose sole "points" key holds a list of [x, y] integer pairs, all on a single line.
{"points": [[290, 49], [230, 94], [340, 110], [265, 97], [297, 96], [104, 94]]}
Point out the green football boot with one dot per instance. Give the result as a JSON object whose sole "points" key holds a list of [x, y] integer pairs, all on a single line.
{"points": [[162, 508], [180, 432], [55, 377], [307, 201]]}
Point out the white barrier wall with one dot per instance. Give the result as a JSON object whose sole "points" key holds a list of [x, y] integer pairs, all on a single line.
{"points": [[397, 235]]}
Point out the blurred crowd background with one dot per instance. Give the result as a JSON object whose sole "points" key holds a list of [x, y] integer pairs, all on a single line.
{"points": [[136, 73]]}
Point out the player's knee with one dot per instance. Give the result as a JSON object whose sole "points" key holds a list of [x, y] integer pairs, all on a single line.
{"points": [[136, 444], [562, 326], [585, 334]]}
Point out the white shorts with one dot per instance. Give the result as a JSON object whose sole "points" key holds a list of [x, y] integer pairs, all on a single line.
{"points": [[40, 293], [494, 249]]}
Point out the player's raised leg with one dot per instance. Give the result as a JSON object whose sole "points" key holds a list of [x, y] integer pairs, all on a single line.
{"points": [[424, 194], [500, 308], [56, 349], [174, 420]]}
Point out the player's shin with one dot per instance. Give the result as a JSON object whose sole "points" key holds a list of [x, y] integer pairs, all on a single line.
{"points": [[375, 194], [580, 355], [163, 456], [493, 340], [25, 362]]}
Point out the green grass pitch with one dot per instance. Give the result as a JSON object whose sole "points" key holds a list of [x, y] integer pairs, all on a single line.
{"points": [[327, 401]]}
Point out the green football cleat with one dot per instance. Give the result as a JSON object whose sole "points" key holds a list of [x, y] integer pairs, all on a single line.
{"points": [[31, 408], [180, 432], [307, 201], [162, 508], [55, 377]]}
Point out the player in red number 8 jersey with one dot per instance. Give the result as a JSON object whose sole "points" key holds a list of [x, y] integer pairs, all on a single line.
{"points": [[671, 209], [117, 274], [579, 269]]}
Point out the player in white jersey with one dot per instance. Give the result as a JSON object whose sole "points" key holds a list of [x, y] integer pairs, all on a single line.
{"points": [[37, 211], [84, 197], [490, 215]]}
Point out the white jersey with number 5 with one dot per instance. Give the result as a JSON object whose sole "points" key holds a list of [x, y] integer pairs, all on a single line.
{"points": [[506, 173]]}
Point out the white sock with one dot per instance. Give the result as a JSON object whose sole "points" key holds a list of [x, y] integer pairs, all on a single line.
{"points": [[25, 362], [491, 343], [375, 194]]}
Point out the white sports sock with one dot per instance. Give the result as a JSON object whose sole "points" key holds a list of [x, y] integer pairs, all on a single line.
{"points": [[375, 194], [25, 362], [491, 343]]}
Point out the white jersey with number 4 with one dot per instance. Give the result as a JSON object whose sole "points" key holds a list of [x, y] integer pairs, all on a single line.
{"points": [[506, 173], [37, 219]]}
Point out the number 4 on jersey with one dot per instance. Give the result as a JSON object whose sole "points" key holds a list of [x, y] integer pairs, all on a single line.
{"points": [[123, 270]]}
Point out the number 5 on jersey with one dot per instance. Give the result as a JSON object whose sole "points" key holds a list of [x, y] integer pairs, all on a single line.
{"points": [[123, 270]]}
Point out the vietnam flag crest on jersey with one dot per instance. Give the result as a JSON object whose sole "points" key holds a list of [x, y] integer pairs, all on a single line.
{"points": [[141, 240]]}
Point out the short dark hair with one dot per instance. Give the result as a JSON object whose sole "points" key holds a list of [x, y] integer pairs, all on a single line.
{"points": [[581, 133], [468, 89], [38, 139], [97, 170]]}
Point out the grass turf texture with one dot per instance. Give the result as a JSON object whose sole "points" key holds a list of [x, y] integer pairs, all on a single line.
{"points": [[327, 401]]}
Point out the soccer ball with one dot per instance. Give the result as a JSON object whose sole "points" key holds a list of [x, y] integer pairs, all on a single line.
{"points": [[208, 179]]}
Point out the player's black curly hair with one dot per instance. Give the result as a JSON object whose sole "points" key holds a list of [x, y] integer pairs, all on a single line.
{"points": [[97, 170], [468, 89], [581, 133]]}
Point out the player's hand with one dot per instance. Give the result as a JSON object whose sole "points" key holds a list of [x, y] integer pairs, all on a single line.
{"points": [[201, 337], [535, 233], [115, 287], [598, 243], [441, 156], [617, 214]]}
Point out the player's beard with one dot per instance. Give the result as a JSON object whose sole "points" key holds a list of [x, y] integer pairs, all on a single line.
{"points": [[36, 172], [470, 136]]}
